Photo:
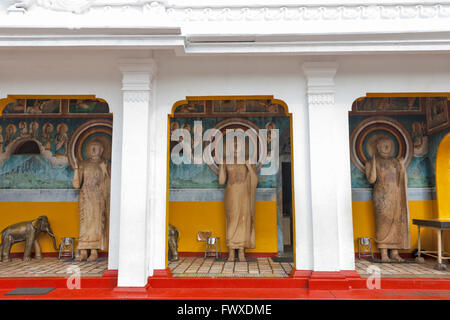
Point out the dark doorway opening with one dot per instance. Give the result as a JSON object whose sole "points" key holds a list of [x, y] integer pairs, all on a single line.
{"points": [[287, 207], [28, 147]]}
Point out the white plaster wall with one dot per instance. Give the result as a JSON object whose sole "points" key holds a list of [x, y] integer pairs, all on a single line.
{"points": [[391, 73], [96, 72]]}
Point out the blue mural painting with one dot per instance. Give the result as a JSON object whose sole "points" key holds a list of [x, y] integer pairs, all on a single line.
{"points": [[46, 130], [200, 176], [45, 166], [421, 171], [33, 172]]}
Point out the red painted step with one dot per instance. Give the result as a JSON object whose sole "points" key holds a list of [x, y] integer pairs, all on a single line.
{"points": [[227, 283], [108, 280]]}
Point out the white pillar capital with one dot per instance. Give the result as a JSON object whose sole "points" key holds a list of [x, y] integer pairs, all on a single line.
{"points": [[137, 74], [320, 82], [138, 65], [320, 73]]}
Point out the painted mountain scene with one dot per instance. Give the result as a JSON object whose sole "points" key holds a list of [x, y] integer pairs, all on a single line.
{"points": [[34, 172]]}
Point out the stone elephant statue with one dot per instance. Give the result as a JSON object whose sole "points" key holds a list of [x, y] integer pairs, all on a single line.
{"points": [[27, 231], [174, 237]]}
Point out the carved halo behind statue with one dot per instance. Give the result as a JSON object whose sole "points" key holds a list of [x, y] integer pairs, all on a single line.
{"points": [[100, 129]]}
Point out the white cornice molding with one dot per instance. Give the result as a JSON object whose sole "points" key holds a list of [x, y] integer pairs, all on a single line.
{"points": [[229, 27], [250, 11], [235, 44], [134, 38], [320, 44], [82, 6], [392, 11]]}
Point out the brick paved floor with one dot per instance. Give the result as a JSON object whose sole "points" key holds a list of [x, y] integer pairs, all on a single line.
{"points": [[266, 267], [51, 267], [403, 270], [210, 267]]}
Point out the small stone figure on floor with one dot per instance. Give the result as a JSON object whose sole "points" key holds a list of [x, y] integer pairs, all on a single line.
{"points": [[174, 237]]}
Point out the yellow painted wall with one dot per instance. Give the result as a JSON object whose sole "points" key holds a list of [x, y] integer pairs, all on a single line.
{"points": [[443, 178], [63, 218], [192, 216], [443, 185], [364, 224]]}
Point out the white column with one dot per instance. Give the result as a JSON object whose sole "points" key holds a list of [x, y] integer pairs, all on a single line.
{"points": [[330, 171], [344, 188], [156, 237], [136, 86], [114, 206], [304, 259]]}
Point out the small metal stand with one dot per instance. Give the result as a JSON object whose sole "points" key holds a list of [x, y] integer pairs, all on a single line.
{"points": [[212, 243], [66, 248], [364, 242]]}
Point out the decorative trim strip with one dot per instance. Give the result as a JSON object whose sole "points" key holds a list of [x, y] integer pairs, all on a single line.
{"points": [[414, 194], [177, 195], [39, 195], [394, 11], [136, 96], [320, 99], [286, 10]]}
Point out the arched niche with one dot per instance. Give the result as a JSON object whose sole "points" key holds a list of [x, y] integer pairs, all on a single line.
{"points": [[195, 202], [35, 131]]}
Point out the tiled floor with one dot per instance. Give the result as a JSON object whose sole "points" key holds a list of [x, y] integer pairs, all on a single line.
{"points": [[210, 267], [266, 267], [402, 270], [52, 267]]}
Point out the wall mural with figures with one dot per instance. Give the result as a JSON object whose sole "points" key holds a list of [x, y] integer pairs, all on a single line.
{"points": [[34, 140], [419, 119], [201, 176], [42, 140], [413, 128], [259, 112]]}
